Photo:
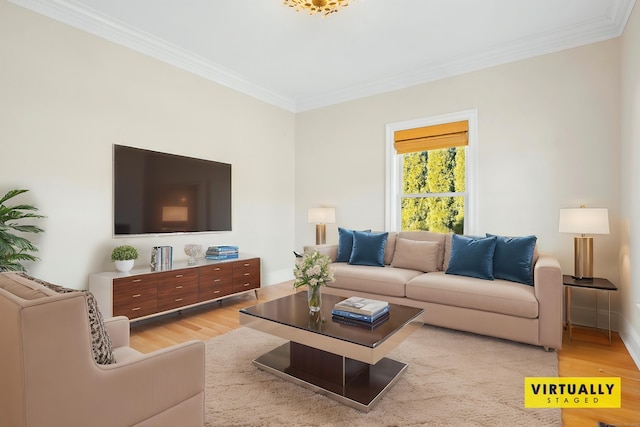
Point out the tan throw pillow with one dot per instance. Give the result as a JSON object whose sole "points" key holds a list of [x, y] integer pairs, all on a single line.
{"points": [[416, 255]]}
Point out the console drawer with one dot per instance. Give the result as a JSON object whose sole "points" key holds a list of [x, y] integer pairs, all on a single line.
{"points": [[134, 296], [246, 275], [215, 281], [177, 288]]}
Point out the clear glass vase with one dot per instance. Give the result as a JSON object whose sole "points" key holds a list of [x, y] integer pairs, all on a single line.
{"points": [[315, 298]]}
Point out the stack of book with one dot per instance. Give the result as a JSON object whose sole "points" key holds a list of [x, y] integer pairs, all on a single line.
{"points": [[361, 311], [222, 252], [161, 258]]}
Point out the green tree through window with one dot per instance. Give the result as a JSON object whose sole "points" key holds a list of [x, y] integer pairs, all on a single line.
{"points": [[433, 186]]}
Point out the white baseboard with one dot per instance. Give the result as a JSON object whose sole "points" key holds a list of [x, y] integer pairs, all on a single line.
{"points": [[274, 277], [631, 339]]}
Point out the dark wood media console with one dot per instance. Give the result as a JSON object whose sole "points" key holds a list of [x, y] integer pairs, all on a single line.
{"points": [[142, 293]]}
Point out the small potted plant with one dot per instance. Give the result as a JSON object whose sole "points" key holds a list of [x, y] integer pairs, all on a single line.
{"points": [[123, 256]]}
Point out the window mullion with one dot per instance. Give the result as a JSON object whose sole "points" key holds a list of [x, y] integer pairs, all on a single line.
{"points": [[418, 195]]}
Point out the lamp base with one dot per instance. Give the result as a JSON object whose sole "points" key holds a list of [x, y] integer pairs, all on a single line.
{"points": [[321, 234], [583, 257]]}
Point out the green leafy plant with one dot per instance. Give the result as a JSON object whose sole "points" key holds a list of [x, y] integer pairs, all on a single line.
{"points": [[15, 248], [123, 253]]}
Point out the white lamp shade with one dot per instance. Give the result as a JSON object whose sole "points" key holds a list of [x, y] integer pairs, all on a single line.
{"points": [[584, 221], [322, 215]]}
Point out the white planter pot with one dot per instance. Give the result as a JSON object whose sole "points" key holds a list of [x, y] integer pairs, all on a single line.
{"points": [[125, 265]]}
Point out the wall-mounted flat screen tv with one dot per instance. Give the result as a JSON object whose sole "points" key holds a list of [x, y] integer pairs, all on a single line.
{"points": [[157, 193]]}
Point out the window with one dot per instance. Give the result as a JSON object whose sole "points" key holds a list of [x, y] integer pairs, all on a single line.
{"points": [[430, 171]]}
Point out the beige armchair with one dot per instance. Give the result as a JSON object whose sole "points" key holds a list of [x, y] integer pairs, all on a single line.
{"points": [[48, 375]]}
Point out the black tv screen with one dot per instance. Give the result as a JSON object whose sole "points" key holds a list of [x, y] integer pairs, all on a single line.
{"points": [[165, 193]]}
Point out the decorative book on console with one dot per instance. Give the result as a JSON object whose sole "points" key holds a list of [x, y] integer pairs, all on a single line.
{"points": [[363, 306], [161, 258], [222, 252]]}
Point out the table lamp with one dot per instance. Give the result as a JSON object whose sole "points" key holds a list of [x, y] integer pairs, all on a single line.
{"points": [[584, 221], [321, 216]]}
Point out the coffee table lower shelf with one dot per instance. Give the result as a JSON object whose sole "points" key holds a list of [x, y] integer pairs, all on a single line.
{"points": [[348, 381]]}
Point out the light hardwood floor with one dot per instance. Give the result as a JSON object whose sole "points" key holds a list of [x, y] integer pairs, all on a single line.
{"points": [[589, 354]]}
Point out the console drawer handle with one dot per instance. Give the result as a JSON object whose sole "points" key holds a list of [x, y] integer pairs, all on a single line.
{"points": [[179, 275], [136, 280], [247, 284], [247, 265], [135, 309], [217, 269], [179, 287], [137, 295], [247, 274], [217, 280], [178, 300], [216, 292]]}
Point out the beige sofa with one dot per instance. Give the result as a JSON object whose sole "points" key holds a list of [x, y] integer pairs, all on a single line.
{"points": [[498, 308], [49, 375]]}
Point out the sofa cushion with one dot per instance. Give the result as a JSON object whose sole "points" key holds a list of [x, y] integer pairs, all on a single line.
{"points": [[100, 341], [513, 258], [126, 354], [498, 296], [362, 278], [472, 256], [390, 248], [345, 244], [428, 236], [368, 248], [447, 251], [416, 255]]}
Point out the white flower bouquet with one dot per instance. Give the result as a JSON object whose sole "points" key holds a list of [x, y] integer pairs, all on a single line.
{"points": [[312, 270]]}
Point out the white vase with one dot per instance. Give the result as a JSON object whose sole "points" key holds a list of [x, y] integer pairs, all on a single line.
{"points": [[124, 265]]}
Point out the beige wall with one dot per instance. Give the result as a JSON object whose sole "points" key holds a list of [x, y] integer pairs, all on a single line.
{"points": [[549, 134], [629, 256], [554, 131], [67, 97]]}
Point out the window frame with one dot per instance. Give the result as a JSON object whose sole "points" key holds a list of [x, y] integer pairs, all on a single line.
{"points": [[393, 190]]}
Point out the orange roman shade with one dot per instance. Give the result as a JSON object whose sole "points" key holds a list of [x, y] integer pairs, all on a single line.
{"points": [[435, 137]]}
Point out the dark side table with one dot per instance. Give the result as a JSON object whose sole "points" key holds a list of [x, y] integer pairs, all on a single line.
{"points": [[596, 283]]}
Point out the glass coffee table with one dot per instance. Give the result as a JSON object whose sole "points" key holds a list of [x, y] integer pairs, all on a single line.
{"points": [[344, 362]]}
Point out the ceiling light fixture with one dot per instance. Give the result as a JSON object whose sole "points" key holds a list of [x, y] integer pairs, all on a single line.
{"points": [[326, 7]]}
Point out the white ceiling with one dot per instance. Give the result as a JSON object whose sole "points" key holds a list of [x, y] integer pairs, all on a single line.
{"points": [[299, 61]]}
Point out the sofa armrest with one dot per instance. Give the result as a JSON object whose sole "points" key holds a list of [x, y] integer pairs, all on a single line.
{"points": [[118, 330], [330, 250], [155, 381], [547, 281]]}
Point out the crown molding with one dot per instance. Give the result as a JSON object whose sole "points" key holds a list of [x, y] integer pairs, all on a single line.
{"points": [[610, 26], [94, 23]]}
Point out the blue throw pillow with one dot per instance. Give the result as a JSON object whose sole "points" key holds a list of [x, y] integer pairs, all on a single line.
{"points": [[368, 248], [345, 244], [472, 256], [513, 259]]}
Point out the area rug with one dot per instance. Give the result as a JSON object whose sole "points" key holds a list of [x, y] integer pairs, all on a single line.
{"points": [[453, 379]]}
